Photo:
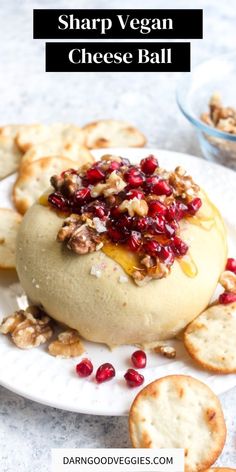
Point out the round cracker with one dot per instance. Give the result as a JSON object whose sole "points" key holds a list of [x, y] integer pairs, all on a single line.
{"points": [[9, 224], [220, 469], [53, 147], [210, 339], [179, 411], [10, 156], [35, 134], [112, 133], [35, 179]]}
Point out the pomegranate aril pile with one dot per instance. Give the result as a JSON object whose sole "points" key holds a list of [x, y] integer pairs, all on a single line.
{"points": [[148, 221]]}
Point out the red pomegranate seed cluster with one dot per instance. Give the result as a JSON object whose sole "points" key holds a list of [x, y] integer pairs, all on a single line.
{"points": [[106, 371], [229, 297], [148, 224]]}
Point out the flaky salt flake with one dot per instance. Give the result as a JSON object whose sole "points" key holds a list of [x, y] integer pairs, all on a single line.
{"points": [[96, 271], [123, 279]]}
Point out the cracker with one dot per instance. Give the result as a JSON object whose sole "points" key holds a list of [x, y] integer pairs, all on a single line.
{"points": [[53, 147], [220, 469], [112, 133], [210, 339], [10, 131], [35, 179], [9, 224], [35, 134], [179, 411], [10, 156]]}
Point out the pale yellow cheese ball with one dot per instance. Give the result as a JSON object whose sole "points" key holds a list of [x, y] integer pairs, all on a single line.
{"points": [[110, 309]]}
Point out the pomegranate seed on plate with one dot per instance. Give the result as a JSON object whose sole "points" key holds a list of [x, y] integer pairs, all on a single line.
{"points": [[194, 206], [105, 372], [149, 165], [133, 378], [139, 359], [84, 368], [162, 188], [231, 265], [227, 297]]}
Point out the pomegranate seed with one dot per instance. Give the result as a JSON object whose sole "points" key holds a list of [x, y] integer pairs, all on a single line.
{"points": [[135, 194], [194, 206], [82, 196], [133, 378], [231, 265], [171, 228], [115, 212], [94, 175], [152, 247], [124, 222], [156, 208], [166, 255], [227, 297], [149, 165], [162, 188], [99, 211], [134, 177], [150, 182], [58, 201], [68, 171], [105, 372], [139, 359], [180, 248], [141, 224], [84, 368], [114, 166], [176, 211], [158, 225], [116, 235], [135, 241]]}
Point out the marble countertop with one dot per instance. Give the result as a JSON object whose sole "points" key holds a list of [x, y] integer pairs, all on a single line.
{"points": [[28, 430]]}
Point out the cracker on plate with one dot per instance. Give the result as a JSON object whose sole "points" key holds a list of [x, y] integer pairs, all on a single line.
{"points": [[10, 131], [10, 156], [35, 179], [53, 147], [220, 469], [9, 224], [210, 339], [179, 411], [112, 133], [35, 134]]}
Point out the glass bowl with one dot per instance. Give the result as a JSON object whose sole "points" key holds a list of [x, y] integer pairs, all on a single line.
{"points": [[193, 95]]}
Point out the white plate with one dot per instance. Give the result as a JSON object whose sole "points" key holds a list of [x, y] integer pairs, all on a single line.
{"points": [[45, 379]]}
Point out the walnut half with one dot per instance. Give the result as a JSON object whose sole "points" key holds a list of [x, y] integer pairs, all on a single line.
{"points": [[28, 328], [67, 345]]}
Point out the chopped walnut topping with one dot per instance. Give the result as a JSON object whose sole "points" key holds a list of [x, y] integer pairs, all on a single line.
{"points": [[113, 186], [67, 345], [183, 184], [67, 184], [80, 237], [29, 328], [153, 269], [134, 206], [228, 281], [166, 351]]}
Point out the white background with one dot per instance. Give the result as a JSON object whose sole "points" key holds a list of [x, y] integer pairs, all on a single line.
{"points": [[28, 431]]}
